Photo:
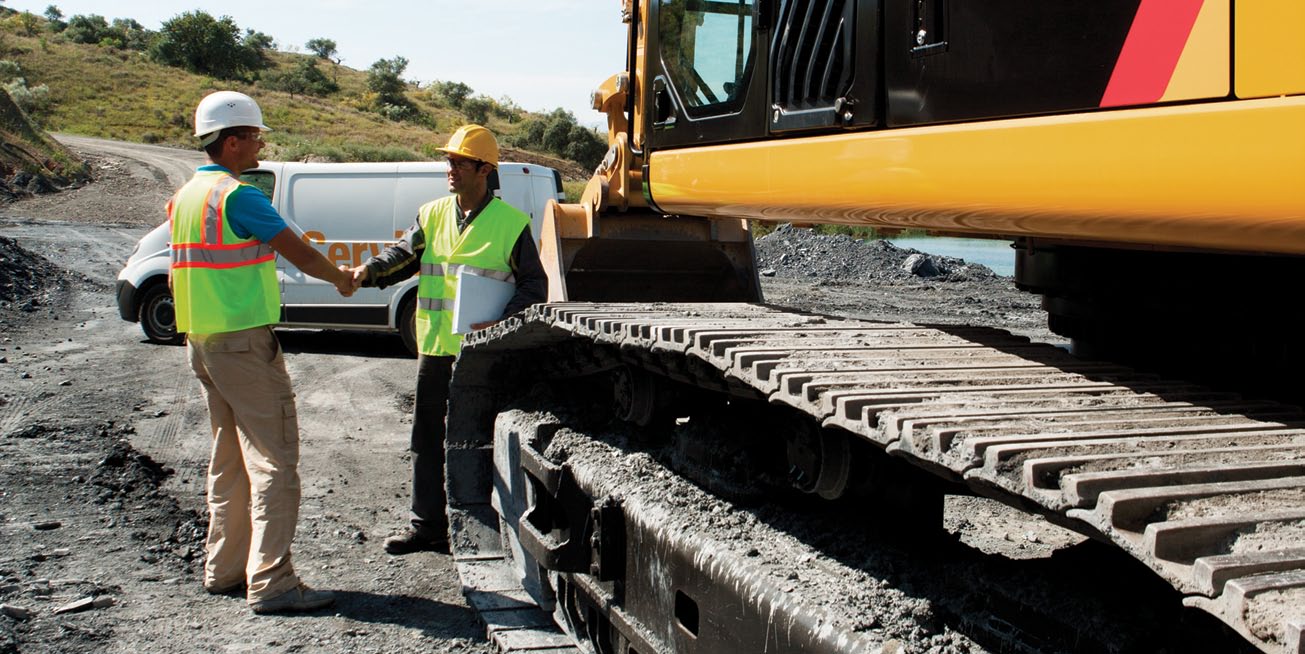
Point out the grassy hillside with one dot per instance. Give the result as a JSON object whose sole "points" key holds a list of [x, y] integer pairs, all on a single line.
{"points": [[97, 90]]}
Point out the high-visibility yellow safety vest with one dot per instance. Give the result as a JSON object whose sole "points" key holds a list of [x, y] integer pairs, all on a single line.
{"points": [[220, 282], [485, 248]]}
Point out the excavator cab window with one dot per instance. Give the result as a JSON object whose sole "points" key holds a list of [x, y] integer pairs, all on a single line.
{"points": [[706, 49], [722, 71]]}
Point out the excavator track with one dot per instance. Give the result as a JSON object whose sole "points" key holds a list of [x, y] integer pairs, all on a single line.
{"points": [[1205, 489]]}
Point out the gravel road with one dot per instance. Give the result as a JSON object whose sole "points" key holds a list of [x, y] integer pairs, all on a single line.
{"points": [[104, 438]]}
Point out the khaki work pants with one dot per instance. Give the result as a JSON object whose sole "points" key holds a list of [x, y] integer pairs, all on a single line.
{"points": [[253, 477]]}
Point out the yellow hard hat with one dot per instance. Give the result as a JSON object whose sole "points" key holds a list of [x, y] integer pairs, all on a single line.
{"points": [[474, 142]]}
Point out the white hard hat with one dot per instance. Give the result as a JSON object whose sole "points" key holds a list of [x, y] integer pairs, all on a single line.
{"points": [[223, 109]]}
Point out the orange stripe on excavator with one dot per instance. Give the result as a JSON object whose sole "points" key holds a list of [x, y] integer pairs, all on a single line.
{"points": [[1151, 51], [1205, 69], [1221, 176]]}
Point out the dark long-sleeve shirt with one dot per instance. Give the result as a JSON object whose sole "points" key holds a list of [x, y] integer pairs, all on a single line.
{"points": [[403, 260]]}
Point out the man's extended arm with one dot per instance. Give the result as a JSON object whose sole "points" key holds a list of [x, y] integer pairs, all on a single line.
{"points": [[396, 263], [304, 257], [250, 214]]}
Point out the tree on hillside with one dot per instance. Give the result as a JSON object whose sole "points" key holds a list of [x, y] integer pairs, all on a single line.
{"points": [[93, 29], [259, 43], [385, 79], [323, 48], [559, 133], [209, 46], [54, 19], [478, 109], [127, 33], [451, 94], [87, 29]]}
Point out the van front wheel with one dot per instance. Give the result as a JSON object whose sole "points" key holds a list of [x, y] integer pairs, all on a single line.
{"points": [[408, 324], [158, 316]]}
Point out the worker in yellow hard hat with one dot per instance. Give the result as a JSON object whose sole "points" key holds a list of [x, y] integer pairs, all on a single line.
{"points": [[467, 232]]}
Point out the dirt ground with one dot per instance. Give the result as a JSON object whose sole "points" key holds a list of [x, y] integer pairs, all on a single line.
{"points": [[104, 442]]}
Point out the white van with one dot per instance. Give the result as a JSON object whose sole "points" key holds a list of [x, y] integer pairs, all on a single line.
{"points": [[348, 212]]}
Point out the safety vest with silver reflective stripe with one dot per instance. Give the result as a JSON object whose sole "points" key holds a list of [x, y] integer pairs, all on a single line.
{"points": [[220, 282], [485, 249]]}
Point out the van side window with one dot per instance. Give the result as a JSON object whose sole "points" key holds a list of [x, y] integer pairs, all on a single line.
{"points": [[264, 180]]}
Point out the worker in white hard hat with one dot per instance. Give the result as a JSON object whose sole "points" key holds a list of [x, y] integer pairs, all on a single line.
{"points": [[225, 235], [467, 232]]}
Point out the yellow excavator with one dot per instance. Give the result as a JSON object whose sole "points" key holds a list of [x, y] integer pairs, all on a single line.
{"points": [[1147, 160]]}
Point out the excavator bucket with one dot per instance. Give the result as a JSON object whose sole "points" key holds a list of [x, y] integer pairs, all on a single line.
{"points": [[640, 255]]}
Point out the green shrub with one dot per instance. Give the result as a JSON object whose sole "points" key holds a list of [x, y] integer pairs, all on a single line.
{"points": [[384, 80], [449, 94], [9, 70], [304, 79], [32, 100], [558, 133], [90, 28]]}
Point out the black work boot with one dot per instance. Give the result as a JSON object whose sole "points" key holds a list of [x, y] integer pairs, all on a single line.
{"points": [[410, 541]]}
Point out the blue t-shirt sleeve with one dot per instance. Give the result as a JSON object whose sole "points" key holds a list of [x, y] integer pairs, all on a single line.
{"points": [[250, 213]]}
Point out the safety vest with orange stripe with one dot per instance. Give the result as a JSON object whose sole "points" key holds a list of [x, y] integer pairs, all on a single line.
{"points": [[220, 282]]}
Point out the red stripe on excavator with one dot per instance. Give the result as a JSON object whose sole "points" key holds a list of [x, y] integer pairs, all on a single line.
{"points": [[1151, 51]]}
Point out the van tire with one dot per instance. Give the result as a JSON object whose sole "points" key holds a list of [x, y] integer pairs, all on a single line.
{"points": [[158, 316], [408, 324]]}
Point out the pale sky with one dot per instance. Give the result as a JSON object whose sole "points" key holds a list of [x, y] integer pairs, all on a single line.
{"points": [[543, 54]]}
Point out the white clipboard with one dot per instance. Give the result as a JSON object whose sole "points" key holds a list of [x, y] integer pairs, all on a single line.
{"points": [[479, 299]]}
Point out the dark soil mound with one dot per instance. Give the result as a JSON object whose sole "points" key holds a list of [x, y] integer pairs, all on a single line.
{"points": [[126, 472], [29, 282], [23, 275], [794, 253]]}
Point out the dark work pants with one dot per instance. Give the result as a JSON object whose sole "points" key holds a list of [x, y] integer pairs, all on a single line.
{"points": [[428, 499]]}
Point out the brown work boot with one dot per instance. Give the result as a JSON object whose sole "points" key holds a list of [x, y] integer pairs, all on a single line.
{"points": [[298, 599], [410, 541]]}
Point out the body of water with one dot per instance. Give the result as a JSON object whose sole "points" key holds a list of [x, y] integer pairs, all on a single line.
{"points": [[997, 255]]}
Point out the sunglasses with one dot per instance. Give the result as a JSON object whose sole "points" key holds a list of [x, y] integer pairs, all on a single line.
{"points": [[465, 163]]}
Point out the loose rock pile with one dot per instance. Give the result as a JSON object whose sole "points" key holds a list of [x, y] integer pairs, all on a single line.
{"points": [[795, 253], [25, 277]]}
